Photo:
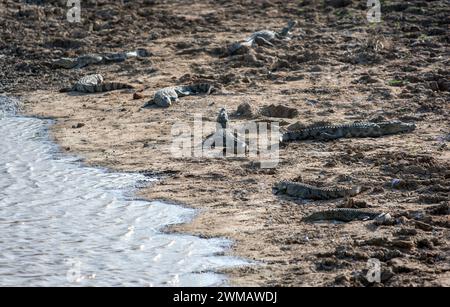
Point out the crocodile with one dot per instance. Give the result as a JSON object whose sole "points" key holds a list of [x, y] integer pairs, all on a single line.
{"points": [[94, 83], [342, 215], [263, 37], [164, 97], [90, 59], [307, 191], [353, 130]]}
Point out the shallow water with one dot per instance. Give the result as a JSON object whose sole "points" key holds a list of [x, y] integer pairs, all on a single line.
{"points": [[64, 224]]}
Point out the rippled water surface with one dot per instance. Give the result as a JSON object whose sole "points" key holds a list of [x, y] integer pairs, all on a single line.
{"points": [[65, 224]]}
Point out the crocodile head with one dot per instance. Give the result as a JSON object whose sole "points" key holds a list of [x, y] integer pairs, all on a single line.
{"points": [[393, 127]]}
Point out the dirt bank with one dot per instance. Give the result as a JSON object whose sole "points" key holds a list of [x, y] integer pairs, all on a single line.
{"points": [[336, 68]]}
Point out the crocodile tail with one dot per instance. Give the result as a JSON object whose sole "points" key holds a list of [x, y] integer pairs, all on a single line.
{"points": [[112, 86], [285, 31]]}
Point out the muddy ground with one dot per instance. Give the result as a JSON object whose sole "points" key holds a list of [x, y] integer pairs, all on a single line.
{"points": [[337, 68]]}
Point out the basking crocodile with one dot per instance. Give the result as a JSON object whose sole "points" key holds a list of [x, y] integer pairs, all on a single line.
{"points": [[164, 97], [94, 83], [354, 130], [342, 215], [307, 191], [89, 59], [263, 37]]}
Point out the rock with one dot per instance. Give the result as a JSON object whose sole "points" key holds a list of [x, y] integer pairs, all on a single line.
{"points": [[341, 279], [137, 96], [433, 85], [65, 43], [401, 266], [386, 274], [279, 111], [406, 232], [443, 209], [423, 226], [79, 125], [366, 79], [250, 59], [444, 85], [376, 242], [424, 243], [384, 254], [384, 242], [384, 219], [402, 244], [397, 183], [185, 78], [296, 126], [315, 68], [338, 3]]}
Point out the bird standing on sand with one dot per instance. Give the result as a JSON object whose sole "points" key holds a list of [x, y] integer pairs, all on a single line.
{"points": [[222, 118]]}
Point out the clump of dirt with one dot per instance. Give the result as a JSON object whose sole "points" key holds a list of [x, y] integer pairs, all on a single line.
{"points": [[279, 111], [245, 110]]}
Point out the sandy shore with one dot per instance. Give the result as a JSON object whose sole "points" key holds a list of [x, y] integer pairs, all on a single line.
{"points": [[337, 68]]}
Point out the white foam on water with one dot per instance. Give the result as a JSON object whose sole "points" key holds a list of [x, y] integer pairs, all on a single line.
{"points": [[64, 224]]}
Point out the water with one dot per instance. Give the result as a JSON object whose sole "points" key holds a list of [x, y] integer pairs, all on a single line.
{"points": [[63, 224]]}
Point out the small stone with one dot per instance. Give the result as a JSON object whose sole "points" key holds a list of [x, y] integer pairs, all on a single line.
{"points": [[400, 266], [434, 85], [380, 241], [424, 243], [397, 183], [185, 78], [384, 219], [315, 68], [407, 232], [137, 96], [79, 125]]}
